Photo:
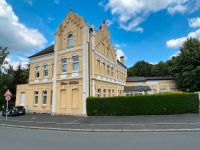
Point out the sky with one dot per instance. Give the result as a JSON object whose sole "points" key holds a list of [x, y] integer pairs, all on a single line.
{"points": [[149, 30]]}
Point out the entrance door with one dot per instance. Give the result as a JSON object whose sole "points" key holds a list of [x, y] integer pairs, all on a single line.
{"points": [[23, 99]]}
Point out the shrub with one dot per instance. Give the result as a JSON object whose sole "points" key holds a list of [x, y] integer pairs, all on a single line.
{"points": [[157, 104]]}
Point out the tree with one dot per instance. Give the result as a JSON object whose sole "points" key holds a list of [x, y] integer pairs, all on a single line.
{"points": [[160, 69], [141, 68], [10, 77], [186, 66], [3, 54]]}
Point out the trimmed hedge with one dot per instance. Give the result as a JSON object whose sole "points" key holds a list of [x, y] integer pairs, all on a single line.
{"points": [[156, 104]]}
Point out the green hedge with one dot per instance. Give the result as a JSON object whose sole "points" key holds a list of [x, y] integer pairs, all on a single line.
{"points": [[157, 104]]}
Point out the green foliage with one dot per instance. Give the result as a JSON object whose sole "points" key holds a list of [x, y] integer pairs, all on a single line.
{"points": [[157, 104], [141, 68], [10, 78], [186, 66], [145, 69], [160, 69], [3, 54]]}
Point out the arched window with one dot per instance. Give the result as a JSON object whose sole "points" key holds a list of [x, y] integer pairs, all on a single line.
{"points": [[70, 41]]}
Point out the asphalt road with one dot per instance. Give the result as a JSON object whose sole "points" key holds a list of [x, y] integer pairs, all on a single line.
{"points": [[185, 122], [28, 139]]}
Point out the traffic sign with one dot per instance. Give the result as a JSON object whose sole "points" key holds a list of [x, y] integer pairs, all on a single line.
{"points": [[8, 96], [8, 93]]}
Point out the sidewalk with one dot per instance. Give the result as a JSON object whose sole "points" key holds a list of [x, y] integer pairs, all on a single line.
{"points": [[186, 122]]}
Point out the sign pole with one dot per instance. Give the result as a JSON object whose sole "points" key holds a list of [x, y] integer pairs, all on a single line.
{"points": [[8, 96], [6, 110]]}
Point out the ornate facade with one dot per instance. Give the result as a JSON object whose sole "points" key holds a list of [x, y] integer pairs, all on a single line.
{"points": [[81, 63]]}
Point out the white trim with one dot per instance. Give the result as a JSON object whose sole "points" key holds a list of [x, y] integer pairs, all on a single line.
{"points": [[85, 67], [42, 58], [93, 88], [37, 98], [55, 75], [70, 49]]}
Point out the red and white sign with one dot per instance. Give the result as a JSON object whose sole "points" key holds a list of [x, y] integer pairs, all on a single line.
{"points": [[8, 95]]}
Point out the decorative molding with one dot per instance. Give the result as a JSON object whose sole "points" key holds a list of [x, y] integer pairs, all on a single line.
{"points": [[71, 49], [42, 58]]}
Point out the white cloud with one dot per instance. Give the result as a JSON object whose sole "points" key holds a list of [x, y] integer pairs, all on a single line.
{"points": [[177, 9], [119, 51], [109, 22], [15, 61], [176, 43], [15, 35], [194, 22], [56, 1], [133, 25], [176, 54], [127, 11]]}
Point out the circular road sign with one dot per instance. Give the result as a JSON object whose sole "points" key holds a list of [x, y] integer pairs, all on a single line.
{"points": [[7, 98]]}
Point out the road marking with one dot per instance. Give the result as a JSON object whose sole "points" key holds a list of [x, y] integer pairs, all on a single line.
{"points": [[75, 122], [103, 130]]}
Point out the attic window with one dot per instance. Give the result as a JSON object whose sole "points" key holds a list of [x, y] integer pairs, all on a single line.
{"points": [[70, 41]]}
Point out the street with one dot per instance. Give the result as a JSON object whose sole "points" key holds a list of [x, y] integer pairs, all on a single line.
{"points": [[23, 139]]}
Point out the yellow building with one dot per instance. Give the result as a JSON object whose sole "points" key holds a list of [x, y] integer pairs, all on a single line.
{"points": [[150, 85], [81, 63]]}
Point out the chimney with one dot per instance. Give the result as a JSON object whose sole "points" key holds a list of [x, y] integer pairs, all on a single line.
{"points": [[122, 59]]}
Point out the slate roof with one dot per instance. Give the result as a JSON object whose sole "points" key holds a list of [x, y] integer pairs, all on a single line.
{"points": [[143, 79], [47, 50], [136, 88]]}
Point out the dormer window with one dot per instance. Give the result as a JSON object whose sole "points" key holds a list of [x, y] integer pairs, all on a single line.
{"points": [[70, 41]]}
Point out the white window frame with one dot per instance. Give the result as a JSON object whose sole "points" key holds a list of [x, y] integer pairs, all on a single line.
{"points": [[36, 95], [63, 64], [43, 96], [75, 62], [109, 92], [46, 67], [70, 41], [98, 92], [113, 92], [37, 72], [104, 92]]}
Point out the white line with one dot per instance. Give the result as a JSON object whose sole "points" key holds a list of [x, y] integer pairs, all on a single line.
{"points": [[103, 130], [75, 122]]}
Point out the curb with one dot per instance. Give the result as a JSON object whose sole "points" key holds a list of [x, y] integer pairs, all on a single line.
{"points": [[101, 130]]}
